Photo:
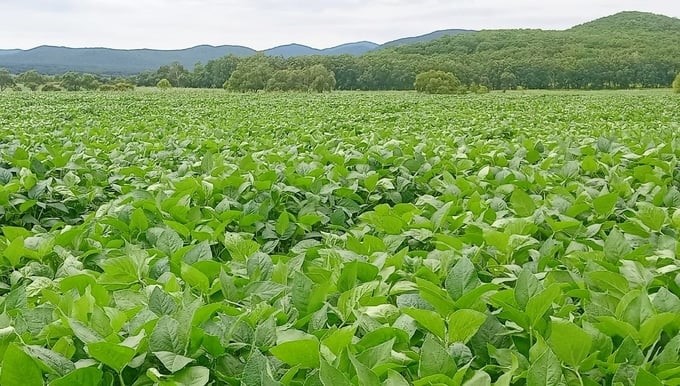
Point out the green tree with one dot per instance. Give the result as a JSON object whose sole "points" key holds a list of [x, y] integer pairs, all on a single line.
{"points": [[31, 79], [508, 80], [437, 82], [286, 80], [251, 74], [319, 78], [6, 79], [89, 82], [124, 86], [71, 81], [676, 84], [219, 70], [52, 86], [164, 84], [175, 73]]}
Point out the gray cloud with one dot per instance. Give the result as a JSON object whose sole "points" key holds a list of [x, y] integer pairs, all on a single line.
{"points": [[266, 23]]}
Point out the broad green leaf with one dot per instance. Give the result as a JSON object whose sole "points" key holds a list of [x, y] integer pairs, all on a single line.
{"points": [[138, 220], [652, 216], [113, 355], [538, 305], [172, 361], [195, 278], [434, 359], [435, 296], [51, 361], [365, 375], [19, 369], [86, 376], [7, 336], [496, 239], [84, 333], [340, 339], [15, 251], [652, 327], [439, 217], [604, 204], [480, 378], [629, 352], [527, 286], [193, 376], [464, 324], [166, 336], [257, 371], [616, 247], [331, 376], [199, 252], [395, 379], [646, 378], [169, 241], [612, 326], [462, 278], [431, 320], [161, 303], [545, 370], [303, 352], [522, 203], [239, 248], [282, 223], [569, 342]]}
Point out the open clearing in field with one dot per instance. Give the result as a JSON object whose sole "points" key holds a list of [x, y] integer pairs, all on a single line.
{"points": [[189, 237]]}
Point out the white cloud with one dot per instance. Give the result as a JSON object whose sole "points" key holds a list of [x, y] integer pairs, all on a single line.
{"points": [[265, 23]]}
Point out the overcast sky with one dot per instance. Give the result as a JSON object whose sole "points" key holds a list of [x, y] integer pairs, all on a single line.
{"points": [[262, 24]]}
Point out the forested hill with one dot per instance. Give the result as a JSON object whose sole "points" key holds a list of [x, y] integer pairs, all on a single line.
{"points": [[626, 50], [55, 60], [623, 50]]}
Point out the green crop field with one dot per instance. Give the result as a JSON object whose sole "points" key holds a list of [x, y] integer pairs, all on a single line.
{"points": [[209, 238]]}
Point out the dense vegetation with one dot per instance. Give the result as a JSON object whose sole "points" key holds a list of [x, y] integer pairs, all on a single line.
{"points": [[194, 238], [57, 60], [437, 82], [626, 50]]}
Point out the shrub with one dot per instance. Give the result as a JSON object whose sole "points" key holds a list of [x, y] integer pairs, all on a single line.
{"points": [[676, 84], [52, 86], [482, 90], [124, 86], [164, 84], [437, 82]]}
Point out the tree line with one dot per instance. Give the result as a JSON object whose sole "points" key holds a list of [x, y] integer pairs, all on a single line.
{"points": [[70, 81], [627, 50]]}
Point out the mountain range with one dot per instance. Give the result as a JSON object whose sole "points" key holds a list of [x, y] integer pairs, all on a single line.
{"points": [[53, 60]]}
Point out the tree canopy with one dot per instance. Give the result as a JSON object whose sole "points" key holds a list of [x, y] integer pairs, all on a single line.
{"points": [[626, 50], [164, 84], [437, 82], [6, 79]]}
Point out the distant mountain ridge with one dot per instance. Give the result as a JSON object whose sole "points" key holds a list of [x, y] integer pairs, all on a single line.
{"points": [[52, 59], [427, 37], [637, 42]]}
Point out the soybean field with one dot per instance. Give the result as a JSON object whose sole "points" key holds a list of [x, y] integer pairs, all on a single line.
{"points": [[211, 238]]}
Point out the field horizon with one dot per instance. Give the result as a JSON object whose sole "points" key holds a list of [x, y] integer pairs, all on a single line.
{"points": [[203, 237]]}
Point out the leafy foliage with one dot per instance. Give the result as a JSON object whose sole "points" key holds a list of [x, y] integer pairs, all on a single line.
{"points": [[197, 238], [164, 84], [437, 82]]}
